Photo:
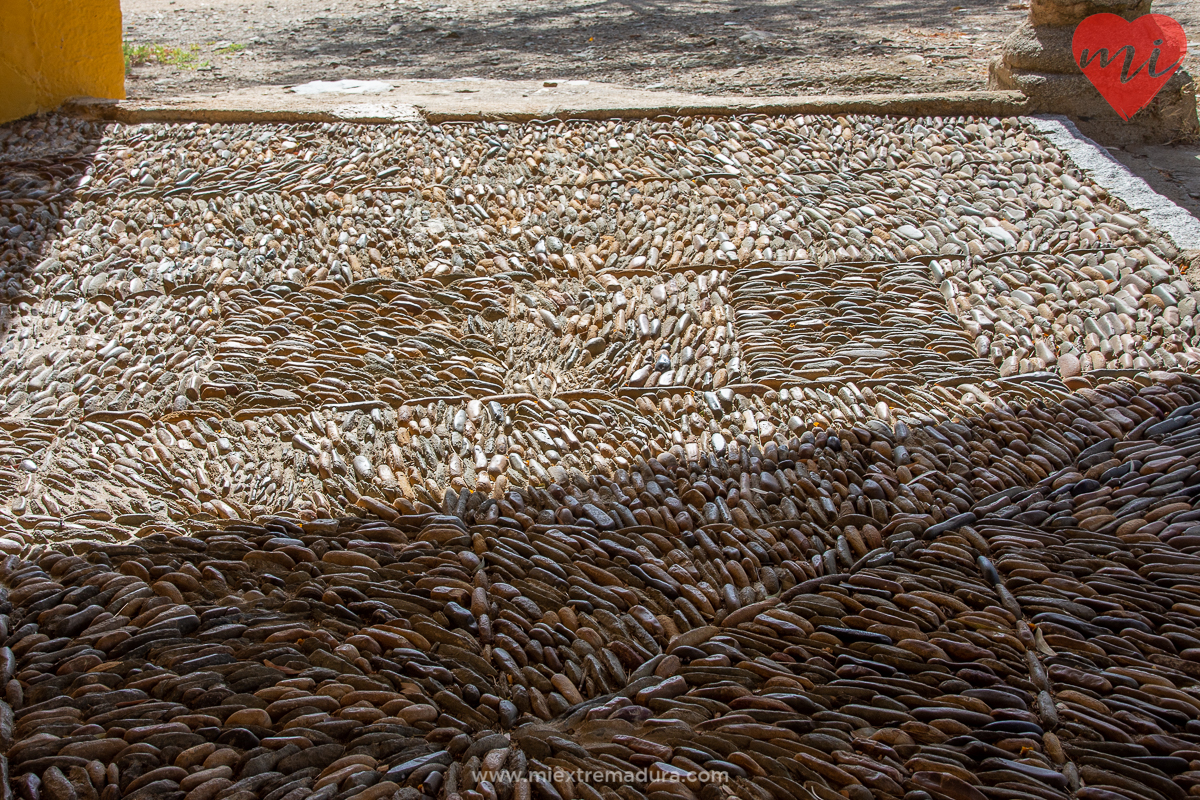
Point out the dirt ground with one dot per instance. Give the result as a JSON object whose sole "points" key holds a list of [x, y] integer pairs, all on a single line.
{"points": [[704, 46]]}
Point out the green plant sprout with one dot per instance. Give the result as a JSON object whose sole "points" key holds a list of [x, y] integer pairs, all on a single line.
{"points": [[183, 58]]}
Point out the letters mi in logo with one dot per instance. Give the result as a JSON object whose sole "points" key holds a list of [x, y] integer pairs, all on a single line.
{"points": [[1128, 62]]}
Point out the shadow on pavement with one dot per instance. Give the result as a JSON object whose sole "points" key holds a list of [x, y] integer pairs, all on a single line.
{"points": [[1171, 170], [42, 160]]}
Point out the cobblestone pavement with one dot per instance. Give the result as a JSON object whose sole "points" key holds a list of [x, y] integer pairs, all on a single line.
{"points": [[697, 46], [705, 457]]}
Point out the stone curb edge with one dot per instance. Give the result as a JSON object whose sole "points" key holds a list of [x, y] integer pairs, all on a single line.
{"points": [[974, 103], [1181, 227]]}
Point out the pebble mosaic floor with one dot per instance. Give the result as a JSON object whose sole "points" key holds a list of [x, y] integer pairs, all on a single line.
{"points": [[681, 458]]}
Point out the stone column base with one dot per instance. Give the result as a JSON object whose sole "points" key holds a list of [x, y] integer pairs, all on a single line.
{"points": [[1170, 116]]}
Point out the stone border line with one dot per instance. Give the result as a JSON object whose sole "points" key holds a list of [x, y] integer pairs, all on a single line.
{"points": [[948, 104], [498, 102]]}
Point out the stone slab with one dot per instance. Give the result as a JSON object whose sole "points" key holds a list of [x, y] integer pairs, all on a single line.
{"points": [[1172, 171], [470, 99]]}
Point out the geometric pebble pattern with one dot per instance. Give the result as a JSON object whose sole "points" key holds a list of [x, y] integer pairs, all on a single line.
{"points": [[1041, 642], [236, 320], [833, 457]]}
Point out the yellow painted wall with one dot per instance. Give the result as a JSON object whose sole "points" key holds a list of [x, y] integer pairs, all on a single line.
{"points": [[54, 49]]}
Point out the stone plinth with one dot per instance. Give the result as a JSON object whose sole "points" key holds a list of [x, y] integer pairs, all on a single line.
{"points": [[1037, 60]]}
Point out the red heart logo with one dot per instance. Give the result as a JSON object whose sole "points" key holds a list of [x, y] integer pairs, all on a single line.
{"points": [[1128, 62]]}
